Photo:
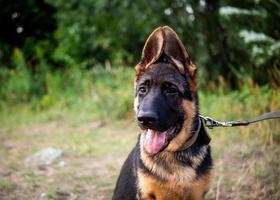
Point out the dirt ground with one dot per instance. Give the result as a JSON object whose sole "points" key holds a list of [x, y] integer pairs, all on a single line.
{"points": [[94, 152]]}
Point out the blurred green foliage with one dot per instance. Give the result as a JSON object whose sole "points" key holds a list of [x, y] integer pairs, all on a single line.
{"points": [[104, 93]]}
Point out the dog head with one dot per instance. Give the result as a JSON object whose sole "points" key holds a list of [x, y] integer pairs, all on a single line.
{"points": [[165, 93]]}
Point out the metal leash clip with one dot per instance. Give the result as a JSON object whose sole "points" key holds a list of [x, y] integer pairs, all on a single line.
{"points": [[211, 123]]}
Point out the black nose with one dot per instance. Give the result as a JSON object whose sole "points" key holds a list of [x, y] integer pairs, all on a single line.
{"points": [[147, 118]]}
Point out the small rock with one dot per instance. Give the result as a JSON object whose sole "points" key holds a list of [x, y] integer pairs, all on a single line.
{"points": [[61, 164], [44, 157], [43, 195]]}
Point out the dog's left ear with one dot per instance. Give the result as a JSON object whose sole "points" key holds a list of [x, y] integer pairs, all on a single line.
{"points": [[175, 50]]}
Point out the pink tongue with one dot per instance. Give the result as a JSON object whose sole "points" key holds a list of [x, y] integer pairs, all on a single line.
{"points": [[154, 141]]}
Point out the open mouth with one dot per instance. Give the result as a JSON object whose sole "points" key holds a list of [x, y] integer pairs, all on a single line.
{"points": [[156, 141]]}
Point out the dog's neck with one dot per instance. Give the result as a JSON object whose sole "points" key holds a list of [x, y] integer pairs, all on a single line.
{"points": [[194, 135], [199, 135]]}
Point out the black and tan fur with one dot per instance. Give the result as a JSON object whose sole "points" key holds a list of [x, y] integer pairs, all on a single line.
{"points": [[174, 172]]}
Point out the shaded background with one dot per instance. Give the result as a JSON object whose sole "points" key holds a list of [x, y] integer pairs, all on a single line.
{"points": [[66, 81]]}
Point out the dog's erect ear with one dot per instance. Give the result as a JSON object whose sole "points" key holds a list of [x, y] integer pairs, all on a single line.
{"points": [[153, 48], [176, 52], [163, 41]]}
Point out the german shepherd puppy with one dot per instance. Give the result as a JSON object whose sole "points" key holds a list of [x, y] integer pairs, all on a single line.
{"points": [[171, 159]]}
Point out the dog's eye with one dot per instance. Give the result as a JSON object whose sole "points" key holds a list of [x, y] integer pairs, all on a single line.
{"points": [[171, 90], [142, 90]]}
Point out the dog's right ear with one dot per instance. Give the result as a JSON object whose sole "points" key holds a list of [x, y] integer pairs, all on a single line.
{"points": [[152, 50]]}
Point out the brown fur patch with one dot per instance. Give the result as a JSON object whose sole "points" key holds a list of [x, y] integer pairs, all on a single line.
{"points": [[193, 82], [138, 70], [185, 133]]}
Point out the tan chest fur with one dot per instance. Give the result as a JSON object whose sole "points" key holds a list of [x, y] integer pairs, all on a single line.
{"points": [[151, 189]]}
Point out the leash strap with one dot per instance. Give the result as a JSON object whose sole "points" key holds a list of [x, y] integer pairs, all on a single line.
{"points": [[211, 123]]}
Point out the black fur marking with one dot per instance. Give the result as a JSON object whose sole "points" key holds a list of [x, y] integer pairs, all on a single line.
{"points": [[160, 93], [126, 188], [161, 72], [187, 92], [182, 158], [185, 157], [206, 165]]}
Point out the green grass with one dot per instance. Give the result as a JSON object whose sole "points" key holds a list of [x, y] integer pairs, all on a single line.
{"points": [[7, 186]]}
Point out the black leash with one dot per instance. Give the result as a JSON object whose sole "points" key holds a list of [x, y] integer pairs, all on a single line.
{"points": [[212, 123]]}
